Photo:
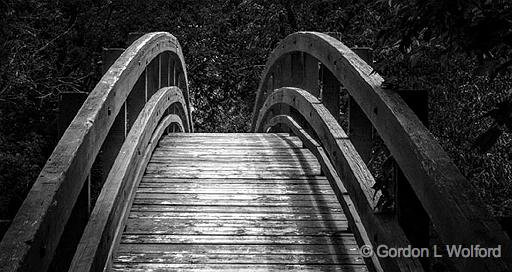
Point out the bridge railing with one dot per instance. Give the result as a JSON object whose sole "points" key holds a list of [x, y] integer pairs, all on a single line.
{"points": [[304, 78], [53, 216]]}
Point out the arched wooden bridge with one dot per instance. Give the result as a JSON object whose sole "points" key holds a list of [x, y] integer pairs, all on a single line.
{"points": [[294, 194]]}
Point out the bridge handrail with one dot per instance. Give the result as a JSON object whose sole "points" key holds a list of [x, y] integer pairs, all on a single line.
{"points": [[354, 174], [453, 206], [109, 214], [328, 169], [32, 239]]}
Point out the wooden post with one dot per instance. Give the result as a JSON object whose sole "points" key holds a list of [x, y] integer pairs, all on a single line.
{"points": [[410, 213], [330, 92], [69, 104], [152, 77], [311, 82], [360, 128], [118, 131], [297, 68], [165, 59], [286, 78]]}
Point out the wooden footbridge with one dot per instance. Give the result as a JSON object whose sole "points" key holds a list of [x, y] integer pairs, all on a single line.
{"points": [[295, 194]]}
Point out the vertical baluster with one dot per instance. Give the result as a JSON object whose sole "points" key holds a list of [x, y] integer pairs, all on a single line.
{"points": [[152, 77], [409, 210], [330, 92], [164, 69], [311, 75], [286, 78], [137, 97], [117, 132], [360, 128]]}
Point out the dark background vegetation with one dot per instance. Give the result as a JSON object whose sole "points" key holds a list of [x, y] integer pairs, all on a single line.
{"points": [[457, 50]]}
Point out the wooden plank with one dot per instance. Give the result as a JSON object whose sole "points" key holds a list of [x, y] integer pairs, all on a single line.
{"points": [[228, 174], [165, 199], [241, 249], [234, 163], [234, 227], [231, 186], [260, 198], [304, 180], [230, 216], [285, 191], [143, 267], [342, 238], [185, 146], [233, 209], [164, 257], [227, 135], [232, 167], [257, 140], [232, 151], [230, 159]]}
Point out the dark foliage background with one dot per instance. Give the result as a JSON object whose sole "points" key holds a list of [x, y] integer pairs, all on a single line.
{"points": [[458, 50]]}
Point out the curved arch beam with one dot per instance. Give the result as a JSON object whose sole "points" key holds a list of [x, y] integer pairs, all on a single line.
{"points": [[450, 200], [341, 192], [168, 121], [30, 242], [353, 172], [122, 181], [340, 150]]}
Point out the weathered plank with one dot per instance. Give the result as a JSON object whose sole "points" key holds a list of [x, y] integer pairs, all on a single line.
{"points": [[233, 209], [241, 216], [234, 227], [206, 186], [197, 182], [241, 249], [247, 197], [143, 267], [167, 199], [235, 163], [340, 238], [164, 257], [232, 167]]}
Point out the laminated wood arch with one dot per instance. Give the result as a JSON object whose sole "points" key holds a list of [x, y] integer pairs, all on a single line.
{"points": [[32, 239], [356, 177], [450, 201], [103, 230]]}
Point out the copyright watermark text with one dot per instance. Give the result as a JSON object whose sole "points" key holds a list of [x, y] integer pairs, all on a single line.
{"points": [[450, 251]]}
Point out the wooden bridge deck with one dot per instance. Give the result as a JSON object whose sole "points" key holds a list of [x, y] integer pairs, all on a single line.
{"points": [[253, 202]]}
